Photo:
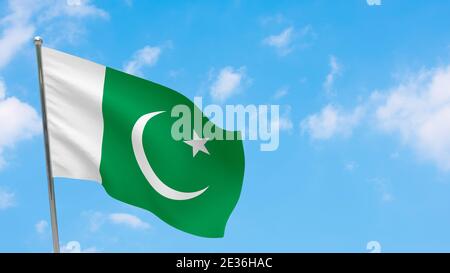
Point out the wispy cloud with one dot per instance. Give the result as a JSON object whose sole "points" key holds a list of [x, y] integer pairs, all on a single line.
{"points": [[63, 21], [350, 166], [24, 17], [41, 226], [80, 8], [16, 29], [373, 2], [97, 219], [18, 121], [7, 199], [418, 111], [331, 121], [128, 220], [284, 123], [282, 41], [289, 39], [147, 56], [281, 92], [228, 82], [335, 70]]}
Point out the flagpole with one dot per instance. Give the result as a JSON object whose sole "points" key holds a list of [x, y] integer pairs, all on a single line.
{"points": [[51, 189]]}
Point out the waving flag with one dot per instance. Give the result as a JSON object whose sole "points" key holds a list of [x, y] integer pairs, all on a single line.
{"points": [[108, 126]]}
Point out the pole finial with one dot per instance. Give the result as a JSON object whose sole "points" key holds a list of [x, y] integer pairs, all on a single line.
{"points": [[38, 40]]}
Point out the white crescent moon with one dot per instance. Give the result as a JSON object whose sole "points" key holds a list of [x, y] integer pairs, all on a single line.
{"points": [[146, 168]]}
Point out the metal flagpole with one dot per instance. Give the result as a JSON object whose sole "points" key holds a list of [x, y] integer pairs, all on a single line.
{"points": [[51, 189]]}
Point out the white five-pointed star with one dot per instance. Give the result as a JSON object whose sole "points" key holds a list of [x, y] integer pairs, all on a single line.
{"points": [[197, 144]]}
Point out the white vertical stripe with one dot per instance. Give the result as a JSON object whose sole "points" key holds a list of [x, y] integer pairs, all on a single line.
{"points": [[74, 91]]}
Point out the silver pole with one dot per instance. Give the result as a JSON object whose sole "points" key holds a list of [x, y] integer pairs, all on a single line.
{"points": [[51, 189]]}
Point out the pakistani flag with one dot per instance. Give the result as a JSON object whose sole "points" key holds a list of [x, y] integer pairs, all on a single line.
{"points": [[111, 127]]}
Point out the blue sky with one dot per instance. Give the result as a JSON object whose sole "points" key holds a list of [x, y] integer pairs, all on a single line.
{"points": [[364, 94]]}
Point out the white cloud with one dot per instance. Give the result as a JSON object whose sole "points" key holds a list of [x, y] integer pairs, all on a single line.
{"points": [[147, 56], [16, 29], [373, 2], [350, 166], [418, 111], [335, 70], [289, 39], [12, 40], [18, 121], [282, 41], [227, 83], [71, 8], [331, 121], [97, 219], [41, 226], [62, 21], [25, 16], [284, 122], [129, 220], [283, 91], [7, 199], [75, 247]]}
